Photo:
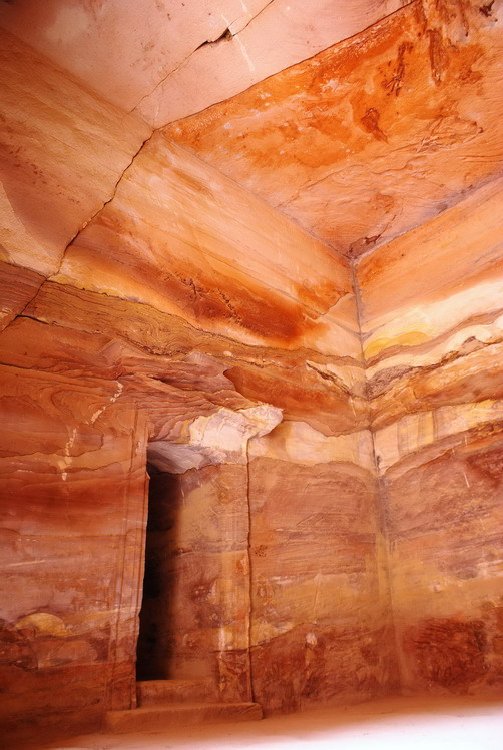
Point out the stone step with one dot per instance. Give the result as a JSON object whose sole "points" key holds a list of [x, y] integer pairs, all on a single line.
{"points": [[157, 718], [150, 692]]}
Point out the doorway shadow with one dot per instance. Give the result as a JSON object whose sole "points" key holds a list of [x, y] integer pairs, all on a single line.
{"points": [[155, 647]]}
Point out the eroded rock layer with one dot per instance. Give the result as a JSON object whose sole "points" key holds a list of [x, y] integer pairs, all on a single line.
{"points": [[318, 553], [432, 329]]}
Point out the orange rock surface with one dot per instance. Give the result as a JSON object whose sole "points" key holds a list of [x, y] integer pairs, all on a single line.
{"points": [[169, 59], [251, 376], [432, 342], [373, 136]]}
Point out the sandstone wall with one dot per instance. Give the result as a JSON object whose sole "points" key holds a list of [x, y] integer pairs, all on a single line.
{"points": [[177, 295], [73, 501], [321, 627], [154, 311], [432, 329]]}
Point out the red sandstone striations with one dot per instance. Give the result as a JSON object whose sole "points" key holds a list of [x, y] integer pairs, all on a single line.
{"points": [[72, 463], [325, 515], [432, 330], [196, 305]]}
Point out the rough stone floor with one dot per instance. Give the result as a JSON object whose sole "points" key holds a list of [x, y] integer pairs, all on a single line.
{"points": [[400, 724]]}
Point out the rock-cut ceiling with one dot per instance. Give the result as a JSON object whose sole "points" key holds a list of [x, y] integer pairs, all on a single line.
{"points": [[360, 120]]}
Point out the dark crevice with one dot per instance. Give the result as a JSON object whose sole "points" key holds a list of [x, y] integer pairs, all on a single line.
{"points": [[226, 35], [155, 647]]}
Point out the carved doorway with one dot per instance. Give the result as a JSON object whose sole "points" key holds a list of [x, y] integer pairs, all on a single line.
{"points": [[194, 615]]}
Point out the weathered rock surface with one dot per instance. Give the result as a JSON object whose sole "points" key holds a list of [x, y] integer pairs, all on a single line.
{"points": [[169, 59], [377, 134], [197, 305], [318, 553], [323, 438], [73, 489], [63, 152], [431, 320]]}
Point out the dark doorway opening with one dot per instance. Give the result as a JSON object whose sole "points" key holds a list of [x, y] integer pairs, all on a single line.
{"points": [[155, 640]]}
